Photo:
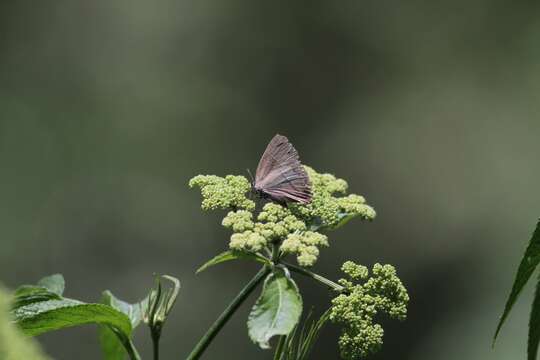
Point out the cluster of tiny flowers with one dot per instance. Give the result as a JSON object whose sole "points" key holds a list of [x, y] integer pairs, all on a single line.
{"points": [[305, 245], [327, 211], [223, 193], [358, 304], [294, 228]]}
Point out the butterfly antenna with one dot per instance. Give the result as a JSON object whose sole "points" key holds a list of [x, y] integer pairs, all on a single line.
{"points": [[251, 176]]}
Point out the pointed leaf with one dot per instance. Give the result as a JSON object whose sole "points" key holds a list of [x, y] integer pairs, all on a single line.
{"points": [[134, 312], [232, 255], [45, 316], [54, 283], [528, 264], [534, 326], [277, 310]]}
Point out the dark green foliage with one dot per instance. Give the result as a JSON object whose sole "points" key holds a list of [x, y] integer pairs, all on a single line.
{"points": [[528, 264]]}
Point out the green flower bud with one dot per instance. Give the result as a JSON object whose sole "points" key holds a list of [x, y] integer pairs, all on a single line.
{"points": [[305, 246], [294, 227], [239, 221], [357, 306], [223, 193], [248, 241]]}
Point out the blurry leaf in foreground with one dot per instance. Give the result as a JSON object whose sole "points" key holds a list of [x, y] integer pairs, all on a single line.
{"points": [[13, 344], [528, 264], [111, 346], [277, 311]]}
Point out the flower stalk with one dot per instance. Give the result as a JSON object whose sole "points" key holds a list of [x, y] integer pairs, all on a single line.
{"points": [[329, 283], [216, 327]]}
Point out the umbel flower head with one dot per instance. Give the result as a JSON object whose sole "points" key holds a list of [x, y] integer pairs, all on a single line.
{"points": [[295, 228], [356, 307]]}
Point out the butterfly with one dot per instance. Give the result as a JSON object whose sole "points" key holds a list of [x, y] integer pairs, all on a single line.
{"points": [[280, 176]]}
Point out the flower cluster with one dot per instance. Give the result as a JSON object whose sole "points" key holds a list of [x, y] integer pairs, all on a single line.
{"points": [[327, 211], [223, 193], [356, 307], [295, 227]]}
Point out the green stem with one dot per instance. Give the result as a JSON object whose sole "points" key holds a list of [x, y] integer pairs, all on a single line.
{"points": [[211, 333], [133, 354], [155, 344], [329, 283], [128, 345], [275, 253]]}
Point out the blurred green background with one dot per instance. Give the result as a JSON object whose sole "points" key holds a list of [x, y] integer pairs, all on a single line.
{"points": [[429, 109]]}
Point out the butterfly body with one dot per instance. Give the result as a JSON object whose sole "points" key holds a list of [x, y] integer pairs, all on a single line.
{"points": [[280, 176]]}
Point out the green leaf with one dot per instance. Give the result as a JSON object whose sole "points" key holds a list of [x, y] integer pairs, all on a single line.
{"points": [[528, 264], [534, 326], [28, 294], [54, 283], [134, 312], [233, 255], [48, 288], [277, 310], [45, 316], [111, 346]]}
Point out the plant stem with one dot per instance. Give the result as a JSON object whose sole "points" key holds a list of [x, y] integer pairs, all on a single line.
{"points": [[132, 352], [211, 333], [329, 283], [275, 253], [155, 345]]}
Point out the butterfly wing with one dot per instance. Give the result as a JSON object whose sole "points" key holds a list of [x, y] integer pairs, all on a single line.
{"points": [[280, 173]]}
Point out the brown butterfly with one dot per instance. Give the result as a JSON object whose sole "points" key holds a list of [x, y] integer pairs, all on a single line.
{"points": [[280, 176]]}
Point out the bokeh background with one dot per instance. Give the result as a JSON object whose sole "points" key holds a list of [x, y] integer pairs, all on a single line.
{"points": [[429, 109]]}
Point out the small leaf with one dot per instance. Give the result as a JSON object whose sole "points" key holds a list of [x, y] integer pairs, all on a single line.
{"points": [[45, 316], [277, 310], [534, 326], [528, 264], [54, 283], [134, 312], [111, 346], [232, 255]]}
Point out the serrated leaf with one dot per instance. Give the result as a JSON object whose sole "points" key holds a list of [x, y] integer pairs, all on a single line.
{"points": [[28, 294], [232, 255], [528, 264], [277, 311], [45, 316], [534, 326], [48, 288], [54, 283], [111, 346]]}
